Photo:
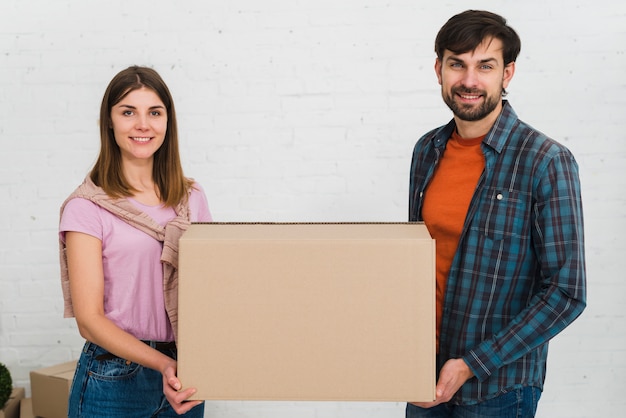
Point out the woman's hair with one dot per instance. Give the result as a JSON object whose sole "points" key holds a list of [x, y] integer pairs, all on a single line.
{"points": [[465, 31], [167, 171]]}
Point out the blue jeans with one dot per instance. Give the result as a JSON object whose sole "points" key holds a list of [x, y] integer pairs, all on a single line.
{"points": [[107, 386], [518, 403]]}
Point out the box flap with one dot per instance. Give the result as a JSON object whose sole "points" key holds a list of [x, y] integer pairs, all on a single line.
{"points": [[61, 370]]}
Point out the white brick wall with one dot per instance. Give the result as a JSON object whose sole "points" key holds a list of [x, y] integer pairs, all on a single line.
{"points": [[301, 111]]}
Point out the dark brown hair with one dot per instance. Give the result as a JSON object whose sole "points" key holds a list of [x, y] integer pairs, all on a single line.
{"points": [[466, 31], [167, 171]]}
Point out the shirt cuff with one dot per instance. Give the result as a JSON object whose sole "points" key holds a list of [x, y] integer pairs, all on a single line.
{"points": [[483, 361]]}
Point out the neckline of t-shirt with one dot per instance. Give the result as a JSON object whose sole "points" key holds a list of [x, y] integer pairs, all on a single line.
{"points": [[468, 142], [138, 203]]}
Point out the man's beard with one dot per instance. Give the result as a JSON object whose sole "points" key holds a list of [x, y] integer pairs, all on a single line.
{"points": [[470, 113]]}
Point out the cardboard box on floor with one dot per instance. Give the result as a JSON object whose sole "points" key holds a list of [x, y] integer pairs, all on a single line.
{"points": [[11, 409], [50, 389], [342, 312], [26, 408]]}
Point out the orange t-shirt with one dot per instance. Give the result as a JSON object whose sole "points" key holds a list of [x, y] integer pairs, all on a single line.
{"points": [[446, 202]]}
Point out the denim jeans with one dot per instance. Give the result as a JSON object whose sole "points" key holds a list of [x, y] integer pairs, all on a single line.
{"points": [[113, 387], [518, 403]]}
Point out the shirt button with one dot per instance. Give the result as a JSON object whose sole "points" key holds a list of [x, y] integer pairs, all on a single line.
{"points": [[499, 196]]}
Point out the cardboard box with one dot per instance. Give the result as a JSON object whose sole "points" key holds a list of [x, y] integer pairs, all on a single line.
{"points": [[11, 409], [50, 389], [26, 408], [342, 312]]}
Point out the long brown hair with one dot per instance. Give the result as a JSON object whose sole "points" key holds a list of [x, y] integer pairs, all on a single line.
{"points": [[167, 171]]}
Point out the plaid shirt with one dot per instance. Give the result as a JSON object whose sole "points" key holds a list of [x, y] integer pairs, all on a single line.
{"points": [[518, 275]]}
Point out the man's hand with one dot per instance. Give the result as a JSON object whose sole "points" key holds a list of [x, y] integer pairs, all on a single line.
{"points": [[171, 387], [452, 376]]}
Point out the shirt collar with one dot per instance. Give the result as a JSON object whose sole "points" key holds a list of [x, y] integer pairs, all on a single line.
{"points": [[497, 136]]}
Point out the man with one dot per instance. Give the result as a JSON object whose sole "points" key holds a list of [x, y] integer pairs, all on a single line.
{"points": [[503, 204]]}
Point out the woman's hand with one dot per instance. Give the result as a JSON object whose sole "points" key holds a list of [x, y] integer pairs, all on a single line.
{"points": [[171, 389]]}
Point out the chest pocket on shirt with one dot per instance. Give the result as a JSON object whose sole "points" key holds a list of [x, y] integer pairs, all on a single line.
{"points": [[503, 214]]}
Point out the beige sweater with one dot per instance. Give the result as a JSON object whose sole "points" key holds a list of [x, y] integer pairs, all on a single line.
{"points": [[126, 211]]}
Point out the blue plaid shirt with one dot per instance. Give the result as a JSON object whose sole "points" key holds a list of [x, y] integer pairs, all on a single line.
{"points": [[518, 275]]}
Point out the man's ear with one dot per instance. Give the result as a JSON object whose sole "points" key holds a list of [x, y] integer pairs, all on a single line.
{"points": [[438, 70], [509, 70]]}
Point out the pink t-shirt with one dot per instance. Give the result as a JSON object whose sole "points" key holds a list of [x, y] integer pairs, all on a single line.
{"points": [[133, 273]]}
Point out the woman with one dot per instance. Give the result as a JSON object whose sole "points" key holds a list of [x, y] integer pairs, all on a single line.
{"points": [[119, 235]]}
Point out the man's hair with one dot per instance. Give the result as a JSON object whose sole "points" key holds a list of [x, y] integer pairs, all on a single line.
{"points": [[465, 31]]}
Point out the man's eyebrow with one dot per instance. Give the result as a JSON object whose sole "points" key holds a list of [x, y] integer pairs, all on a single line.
{"points": [[482, 61]]}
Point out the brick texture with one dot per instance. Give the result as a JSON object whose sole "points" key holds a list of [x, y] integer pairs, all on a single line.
{"points": [[301, 111]]}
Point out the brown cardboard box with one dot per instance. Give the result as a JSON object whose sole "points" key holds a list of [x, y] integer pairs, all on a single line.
{"points": [[26, 408], [11, 409], [50, 388], [307, 312]]}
